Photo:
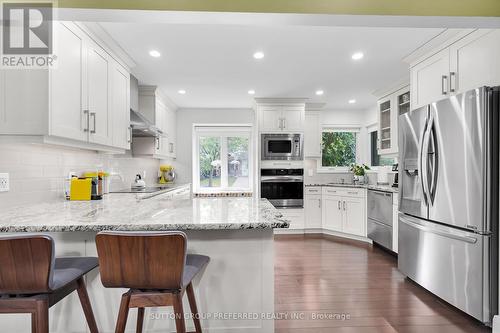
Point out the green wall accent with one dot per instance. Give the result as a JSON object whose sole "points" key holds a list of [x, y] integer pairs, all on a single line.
{"points": [[354, 7]]}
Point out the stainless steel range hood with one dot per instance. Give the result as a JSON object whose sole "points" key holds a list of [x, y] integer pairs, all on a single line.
{"points": [[141, 125]]}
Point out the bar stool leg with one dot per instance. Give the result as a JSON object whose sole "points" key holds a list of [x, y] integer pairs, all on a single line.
{"points": [[87, 307], [42, 316], [194, 308], [123, 313], [180, 324], [140, 320]]}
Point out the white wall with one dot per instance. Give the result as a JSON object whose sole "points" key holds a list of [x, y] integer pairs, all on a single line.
{"points": [[185, 120], [37, 172]]}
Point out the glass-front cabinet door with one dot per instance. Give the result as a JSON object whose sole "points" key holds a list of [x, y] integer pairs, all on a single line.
{"points": [[389, 109]]}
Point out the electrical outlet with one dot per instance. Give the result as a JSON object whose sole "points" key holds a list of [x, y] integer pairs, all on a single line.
{"points": [[4, 182]]}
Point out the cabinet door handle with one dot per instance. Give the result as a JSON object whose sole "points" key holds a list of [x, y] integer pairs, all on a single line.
{"points": [[344, 205], [157, 143], [444, 84], [171, 145], [319, 203], [453, 81], [338, 204], [87, 119], [93, 115], [284, 123], [129, 134]]}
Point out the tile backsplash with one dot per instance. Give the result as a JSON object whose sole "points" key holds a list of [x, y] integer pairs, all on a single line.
{"points": [[37, 172]]}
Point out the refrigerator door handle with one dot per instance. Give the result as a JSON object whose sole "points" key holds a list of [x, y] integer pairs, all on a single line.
{"points": [[420, 226], [433, 158], [423, 171]]}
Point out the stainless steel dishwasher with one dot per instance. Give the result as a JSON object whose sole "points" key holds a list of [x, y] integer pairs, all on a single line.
{"points": [[380, 218]]}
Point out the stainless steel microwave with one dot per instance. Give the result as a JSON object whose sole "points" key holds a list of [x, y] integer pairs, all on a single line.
{"points": [[282, 147]]}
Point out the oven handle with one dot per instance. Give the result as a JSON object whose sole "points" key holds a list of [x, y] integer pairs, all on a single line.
{"points": [[282, 179]]}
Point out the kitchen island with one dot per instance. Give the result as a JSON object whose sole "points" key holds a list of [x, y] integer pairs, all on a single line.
{"points": [[235, 292]]}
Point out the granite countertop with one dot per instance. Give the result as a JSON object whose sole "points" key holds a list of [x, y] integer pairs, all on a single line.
{"points": [[385, 188], [167, 211]]}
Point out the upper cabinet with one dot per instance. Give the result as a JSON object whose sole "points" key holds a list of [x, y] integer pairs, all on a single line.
{"points": [[389, 108], [475, 61], [83, 101], [429, 79], [468, 63], [312, 134], [281, 117]]}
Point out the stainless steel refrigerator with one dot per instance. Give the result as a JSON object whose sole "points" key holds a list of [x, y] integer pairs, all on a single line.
{"points": [[448, 200]]}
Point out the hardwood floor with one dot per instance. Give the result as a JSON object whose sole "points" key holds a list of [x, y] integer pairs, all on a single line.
{"points": [[358, 284]]}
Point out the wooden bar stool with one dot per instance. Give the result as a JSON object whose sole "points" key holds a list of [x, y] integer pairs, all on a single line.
{"points": [[32, 279], [155, 268]]}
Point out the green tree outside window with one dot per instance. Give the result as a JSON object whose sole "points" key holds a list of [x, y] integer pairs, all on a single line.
{"points": [[339, 149]]}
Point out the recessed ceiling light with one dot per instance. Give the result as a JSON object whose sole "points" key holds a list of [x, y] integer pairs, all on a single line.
{"points": [[319, 92], [352, 101], [154, 53], [357, 56], [258, 55], [182, 91], [251, 92]]}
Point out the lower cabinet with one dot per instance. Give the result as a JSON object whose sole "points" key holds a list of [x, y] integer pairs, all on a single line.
{"points": [[312, 208], [296, 217], [336, 209]]}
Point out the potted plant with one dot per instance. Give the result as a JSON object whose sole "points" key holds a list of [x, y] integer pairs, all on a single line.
{"points": [[359, 171]]}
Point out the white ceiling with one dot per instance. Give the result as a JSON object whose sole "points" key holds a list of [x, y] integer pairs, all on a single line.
{"points": [[214, 63]]}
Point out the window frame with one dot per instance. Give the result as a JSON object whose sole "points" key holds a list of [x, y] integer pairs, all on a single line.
{"points": [[336, 128], [222, 131]]}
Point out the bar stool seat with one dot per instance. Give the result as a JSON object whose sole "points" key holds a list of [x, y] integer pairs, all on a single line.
{"points": [[69, 269], [194, 264], [32, 279]]}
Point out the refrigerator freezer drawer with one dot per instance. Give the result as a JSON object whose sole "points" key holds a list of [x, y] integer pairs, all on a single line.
{"points": [[380, 233], [450, 263]]}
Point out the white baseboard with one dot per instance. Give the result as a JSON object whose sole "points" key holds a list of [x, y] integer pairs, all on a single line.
{"points": [[496, 324], [288, 231], [321, 231]]}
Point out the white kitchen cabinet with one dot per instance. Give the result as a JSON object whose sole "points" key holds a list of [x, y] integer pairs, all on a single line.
{"points": [[332, 213], [282, 118], [312, 135], [293, 118], [119, 101], [465, 64], [68, 112], [69, 104], [296, 217], [475, 61], [354, 221], [271, 119], [429, 79], [344, 210], [389, 109], [97, 86], [312, 208]]}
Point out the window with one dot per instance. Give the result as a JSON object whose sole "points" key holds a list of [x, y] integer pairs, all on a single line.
{"points": [[339, 148], [222, 159], [376, 159]]}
